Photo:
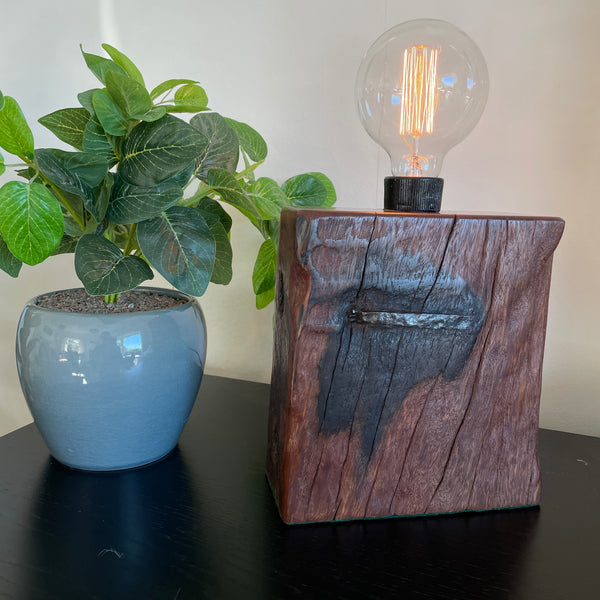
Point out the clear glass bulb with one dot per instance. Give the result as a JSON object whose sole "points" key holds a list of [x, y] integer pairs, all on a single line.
{"points": [[420, 90]]}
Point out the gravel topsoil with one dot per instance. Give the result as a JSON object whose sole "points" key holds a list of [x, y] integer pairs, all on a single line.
{"points": [[80, 301]]}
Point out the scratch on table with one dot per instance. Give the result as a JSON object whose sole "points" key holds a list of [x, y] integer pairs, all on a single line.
{"points": [[112, 551]]}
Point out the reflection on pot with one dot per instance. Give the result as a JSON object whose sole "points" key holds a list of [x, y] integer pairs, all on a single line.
{"points": [[129, 534]]}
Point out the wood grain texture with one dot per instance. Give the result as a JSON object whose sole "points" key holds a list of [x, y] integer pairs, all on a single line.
{"points": [[407, 363]]}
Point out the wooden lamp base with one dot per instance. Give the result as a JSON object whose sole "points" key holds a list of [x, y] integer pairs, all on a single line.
{"points": [[407, 363]]}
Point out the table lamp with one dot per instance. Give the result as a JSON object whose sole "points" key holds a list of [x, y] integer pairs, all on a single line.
{"points": [[408, 345]]}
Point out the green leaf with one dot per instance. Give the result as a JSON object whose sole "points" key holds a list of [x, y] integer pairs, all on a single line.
{"points": [[268, 197], [168, 85], [1, 101], [191, 93], [305, 190], [109, 115], [130, 97], [2, 167], [100, 66], [263, 275], [223, 144], [67, 245], [71, 227], [69, 169], [85, 99], [8, 263], [31, 221], [68, 125], [120, 235], [125, 63], [272, 230], [28, 173], [208, 205], [264, 299], [104, 269], [223, 268], [189, 98], [131, 203], [230, 191], [101, 198], [156, 151], [331, 197], [183, 108], [183, 177], [181, 247], [251, 141], [15, 135], [75, 172], [154, 114], [76, 202], [96, 142]]}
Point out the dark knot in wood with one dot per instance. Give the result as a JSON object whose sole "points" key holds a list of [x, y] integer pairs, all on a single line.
{"points": [[393, 332]]}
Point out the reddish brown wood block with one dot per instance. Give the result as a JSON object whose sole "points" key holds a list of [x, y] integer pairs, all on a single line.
{"points": [[407, 363]]}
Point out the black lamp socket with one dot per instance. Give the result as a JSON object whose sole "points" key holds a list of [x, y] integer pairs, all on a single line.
{"points": [[413, 194]]}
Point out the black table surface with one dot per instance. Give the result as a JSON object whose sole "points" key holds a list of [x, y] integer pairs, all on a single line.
{"points": [[202, 523]]}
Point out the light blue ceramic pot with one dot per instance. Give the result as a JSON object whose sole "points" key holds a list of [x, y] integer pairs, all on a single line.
{"points": [[111, 391]]}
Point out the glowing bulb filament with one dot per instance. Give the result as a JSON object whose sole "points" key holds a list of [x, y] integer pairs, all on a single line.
{"points": [[419, 90]]}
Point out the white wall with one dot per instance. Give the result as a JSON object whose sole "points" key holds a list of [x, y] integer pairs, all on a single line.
{"points": [[287, 68]]}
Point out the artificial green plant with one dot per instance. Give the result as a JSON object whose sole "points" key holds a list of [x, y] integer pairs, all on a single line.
{"points": [[142, 188]]}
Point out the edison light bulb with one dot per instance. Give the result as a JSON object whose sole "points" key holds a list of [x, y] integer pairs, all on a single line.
{"points": [[420, 89]]}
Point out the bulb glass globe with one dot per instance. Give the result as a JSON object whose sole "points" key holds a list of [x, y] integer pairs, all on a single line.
{"points": [[420, 90]]}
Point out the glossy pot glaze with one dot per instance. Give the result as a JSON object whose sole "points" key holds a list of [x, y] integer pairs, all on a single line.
{"points": [[111, 391]]}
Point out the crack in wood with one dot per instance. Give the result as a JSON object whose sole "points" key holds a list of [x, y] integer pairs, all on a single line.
{"points": [[384, 404], [535, 469], [323, 410], [462, 422], [338, 500], [500, 255], [374, 482], [314, 479], [408, 447], [441, 263], [364, 268]]}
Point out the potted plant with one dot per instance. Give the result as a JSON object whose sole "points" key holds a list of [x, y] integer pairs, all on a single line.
{"points": [[110, 377]]}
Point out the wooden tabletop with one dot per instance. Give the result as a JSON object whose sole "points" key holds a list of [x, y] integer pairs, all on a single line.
{"points": [[202, 524]]}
